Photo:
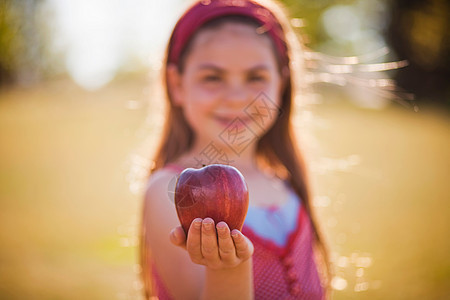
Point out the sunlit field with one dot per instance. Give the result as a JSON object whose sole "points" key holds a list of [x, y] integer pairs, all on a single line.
{"points": [[68, 219]]}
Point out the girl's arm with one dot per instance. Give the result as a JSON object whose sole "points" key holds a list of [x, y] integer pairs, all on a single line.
{"points": [[210, 263], [226, 256]]}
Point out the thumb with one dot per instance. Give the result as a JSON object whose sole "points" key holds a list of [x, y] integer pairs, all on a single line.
{"points": [[178, 237]]}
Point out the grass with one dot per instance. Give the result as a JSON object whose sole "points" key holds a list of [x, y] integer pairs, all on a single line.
{"points": [[393, 205], [68, 219]]}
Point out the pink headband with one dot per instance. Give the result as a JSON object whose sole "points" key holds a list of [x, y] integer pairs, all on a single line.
{"points": [[206, 10]]}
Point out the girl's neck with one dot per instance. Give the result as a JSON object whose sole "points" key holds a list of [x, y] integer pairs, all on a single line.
{"points": [[209, 153]]}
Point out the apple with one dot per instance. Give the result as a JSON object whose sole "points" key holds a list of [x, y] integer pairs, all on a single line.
{"points": [[215, 191]]}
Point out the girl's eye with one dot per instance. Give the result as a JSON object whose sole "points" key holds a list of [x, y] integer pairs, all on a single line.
{"points": [[257, 79], [211, 78]]}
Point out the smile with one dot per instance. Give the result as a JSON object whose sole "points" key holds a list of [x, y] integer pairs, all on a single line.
{"points": [[238, 121]]}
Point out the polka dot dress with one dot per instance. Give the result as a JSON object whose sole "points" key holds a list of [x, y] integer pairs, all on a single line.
{"points": [[283, 266]]}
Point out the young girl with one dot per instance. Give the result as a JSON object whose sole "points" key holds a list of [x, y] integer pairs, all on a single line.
{"points": [[230, 82]]}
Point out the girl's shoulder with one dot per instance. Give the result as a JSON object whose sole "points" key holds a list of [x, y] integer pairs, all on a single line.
{"points": [[174, 167], [161, 183]]}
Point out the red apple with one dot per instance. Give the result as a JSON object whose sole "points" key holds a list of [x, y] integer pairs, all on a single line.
{"points": [[215, 191]]}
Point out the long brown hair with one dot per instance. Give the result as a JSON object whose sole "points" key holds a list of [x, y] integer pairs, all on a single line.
{"points": [[276, 149]]}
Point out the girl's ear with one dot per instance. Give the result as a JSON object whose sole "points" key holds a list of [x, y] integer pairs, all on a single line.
{"points": [[174, 84]]}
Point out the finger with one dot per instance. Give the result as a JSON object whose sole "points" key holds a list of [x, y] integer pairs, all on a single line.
{"points": [[178, 237], [210, 250], [244, 247], [227, 251], [193, 244]]}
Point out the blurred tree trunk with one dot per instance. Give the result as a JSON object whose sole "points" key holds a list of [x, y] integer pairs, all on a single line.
{"points": [[21, 42], [419, 31]]}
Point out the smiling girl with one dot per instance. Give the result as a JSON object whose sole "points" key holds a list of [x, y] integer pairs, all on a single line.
{"points": [[230, 84]]}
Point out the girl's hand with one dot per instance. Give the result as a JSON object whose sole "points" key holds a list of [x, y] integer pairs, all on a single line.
{"points": [[213, 246]]}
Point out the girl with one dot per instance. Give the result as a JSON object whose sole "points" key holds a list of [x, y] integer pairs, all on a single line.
{"points": [[230, 81]]}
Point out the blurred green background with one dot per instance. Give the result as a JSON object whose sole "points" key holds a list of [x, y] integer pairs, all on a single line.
{"points": [[80, 113]]}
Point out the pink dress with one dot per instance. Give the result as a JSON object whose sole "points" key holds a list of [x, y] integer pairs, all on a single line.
{"points": [[287, 271]]}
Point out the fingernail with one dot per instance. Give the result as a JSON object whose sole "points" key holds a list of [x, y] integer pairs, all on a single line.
{"points": [[220, 228], [235, 233], [197, 224], [207, 225]]}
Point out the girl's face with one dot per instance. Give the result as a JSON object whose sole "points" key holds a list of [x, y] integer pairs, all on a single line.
{"points": [[220, 88]]}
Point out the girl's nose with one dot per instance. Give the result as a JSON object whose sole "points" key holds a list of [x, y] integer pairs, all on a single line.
{"points": [[236, 93]]}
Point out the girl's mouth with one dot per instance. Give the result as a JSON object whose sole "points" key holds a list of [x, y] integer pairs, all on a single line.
{"points": [[235, 121]]}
